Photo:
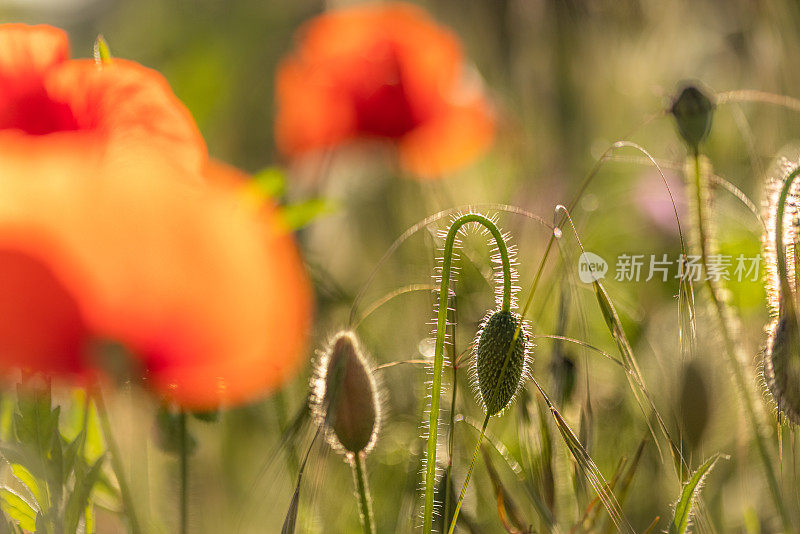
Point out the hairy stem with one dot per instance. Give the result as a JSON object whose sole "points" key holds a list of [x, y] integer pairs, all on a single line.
{"points": [[451, 427], [469, 474], [438, 361], [737, 367], [364, 499], [780, 249]]}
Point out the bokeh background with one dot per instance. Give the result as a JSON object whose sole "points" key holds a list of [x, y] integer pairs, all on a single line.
{"points": [[567, 79]]}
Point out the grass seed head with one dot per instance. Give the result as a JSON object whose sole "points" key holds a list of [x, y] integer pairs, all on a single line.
{"points": [[693, 110], [344, 396], [499, 367]]}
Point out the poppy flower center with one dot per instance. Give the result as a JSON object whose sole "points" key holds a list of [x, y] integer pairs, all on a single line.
{"points": [[35, 113], [380, 98]]}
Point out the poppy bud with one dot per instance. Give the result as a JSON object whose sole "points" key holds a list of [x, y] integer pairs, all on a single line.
{"points": [[345, 396], [693, 111], [782, 351], [782, 363], [499, 366]]}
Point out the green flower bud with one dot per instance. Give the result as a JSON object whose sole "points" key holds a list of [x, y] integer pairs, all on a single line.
{"points": [[782, 363], [344, 396], [693, 110], [500, 367]]}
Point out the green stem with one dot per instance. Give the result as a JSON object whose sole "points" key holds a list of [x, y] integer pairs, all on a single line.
{"points": [[469, 474], [438, 361], [448, 475], [780, 250], [184, 470], [450, 443], [742, 384], [364, 500], [116, 462]]}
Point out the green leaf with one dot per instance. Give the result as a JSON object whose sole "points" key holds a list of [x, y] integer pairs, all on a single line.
{"points": [[270, 182], [95, 445], [17, 454], [79, 499], [691, 490], [56, 476], [102, 53], [30, 481], [18, 509], [35, 422], [299, 215]]}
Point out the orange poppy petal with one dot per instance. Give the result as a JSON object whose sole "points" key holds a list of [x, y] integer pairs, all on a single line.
{"points": [[126, 103], [381, 71], [27, 52], [48, 102], [208, 293], [312, 114], [448, 142]]}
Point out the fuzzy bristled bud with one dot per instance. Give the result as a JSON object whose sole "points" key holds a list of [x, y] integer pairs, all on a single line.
{"points": [[782, 350], [499, 367], [344, 396]]}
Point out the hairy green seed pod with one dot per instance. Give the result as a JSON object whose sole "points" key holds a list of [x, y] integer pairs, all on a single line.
{"points": [[782, 350], [693, 111], [782, 364], [344, 396], [500, 367]]}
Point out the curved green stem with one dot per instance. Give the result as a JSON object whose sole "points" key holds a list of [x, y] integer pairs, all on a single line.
{"points": [[737, 367], [469, 474], [451, 434], [780, 250], [364, 500], [116, 462], [441, 324]]}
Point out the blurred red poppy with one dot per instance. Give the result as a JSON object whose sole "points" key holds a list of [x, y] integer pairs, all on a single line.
{"points": [[384, 71], [114, 224], [48, 102]]}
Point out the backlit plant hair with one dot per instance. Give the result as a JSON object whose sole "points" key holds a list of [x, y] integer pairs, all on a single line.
{"points": [[781, 360], [345, 403], [501, 350]]}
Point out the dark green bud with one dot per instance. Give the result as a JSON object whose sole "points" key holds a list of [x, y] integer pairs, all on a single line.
{"points": [[693, 110], [500, 360]]}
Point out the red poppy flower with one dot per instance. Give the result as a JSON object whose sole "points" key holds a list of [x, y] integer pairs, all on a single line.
{"points": [[48, 102], [120, 228], [383, 71]]}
